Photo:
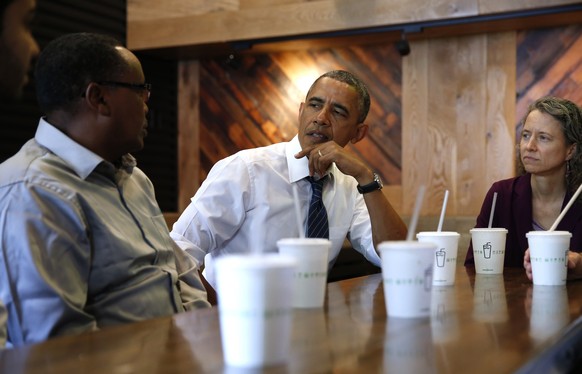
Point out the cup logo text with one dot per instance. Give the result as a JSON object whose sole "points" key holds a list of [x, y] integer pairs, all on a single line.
{"points": [[550, 260], [310, 274]]}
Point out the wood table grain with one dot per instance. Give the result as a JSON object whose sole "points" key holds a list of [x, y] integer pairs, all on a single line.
{"points": [[483, 324]]}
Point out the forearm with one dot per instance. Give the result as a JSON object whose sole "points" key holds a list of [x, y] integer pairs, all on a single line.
{"points": [[385, 221]]}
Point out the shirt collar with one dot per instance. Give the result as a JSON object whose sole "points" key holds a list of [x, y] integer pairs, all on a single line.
{"points": [[299, 168], [79, 158]]}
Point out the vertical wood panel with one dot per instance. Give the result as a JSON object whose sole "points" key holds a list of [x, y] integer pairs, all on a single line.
{"points": [[469, 111], [454, 101], [456, 135], [501, 105], [188, 134], [415, 97]]}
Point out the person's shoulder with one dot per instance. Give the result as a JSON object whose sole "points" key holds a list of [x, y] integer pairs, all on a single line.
{"points": [[268, 152], [509, 183], [34, 172], [512, 188], [21, 164]]}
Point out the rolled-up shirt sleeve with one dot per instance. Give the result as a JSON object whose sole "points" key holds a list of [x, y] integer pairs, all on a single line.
{"points": [[192, 291], [217, 211], [360, 234]]}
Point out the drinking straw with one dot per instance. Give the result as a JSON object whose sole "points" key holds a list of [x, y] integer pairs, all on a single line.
{"points": [[414, 218], [443, 210], [298, 215], [572, 200], [492, 209]]}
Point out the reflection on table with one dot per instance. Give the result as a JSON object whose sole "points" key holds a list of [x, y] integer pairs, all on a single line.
{"points": [[481, 324]]}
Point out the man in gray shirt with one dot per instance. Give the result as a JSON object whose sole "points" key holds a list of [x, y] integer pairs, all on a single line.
{"points": [[83, 243]]}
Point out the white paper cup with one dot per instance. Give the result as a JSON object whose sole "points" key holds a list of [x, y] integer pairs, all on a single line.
{"points": [[255, 308], [488, 249], [489, 299], [310, 277], [445, 261], [407, 276], [548, 251], [549, 312]]}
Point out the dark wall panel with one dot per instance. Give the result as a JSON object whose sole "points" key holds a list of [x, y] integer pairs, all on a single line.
{"points": [[58, 17]]}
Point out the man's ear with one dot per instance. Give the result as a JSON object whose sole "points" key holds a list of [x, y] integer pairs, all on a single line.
{"points": [[96, 99], [361, 132]]}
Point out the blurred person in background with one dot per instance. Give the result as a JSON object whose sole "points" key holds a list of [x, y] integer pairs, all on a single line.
{"points": [[18, 49]]}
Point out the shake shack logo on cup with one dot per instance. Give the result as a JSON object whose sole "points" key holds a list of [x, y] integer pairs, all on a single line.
{"points": [[488, 250]]}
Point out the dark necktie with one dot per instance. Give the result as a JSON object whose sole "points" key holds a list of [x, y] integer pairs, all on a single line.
{"points": [[317, 224]]}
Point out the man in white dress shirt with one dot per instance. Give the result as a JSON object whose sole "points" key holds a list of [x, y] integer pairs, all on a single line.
{"points": [[246, 202]]}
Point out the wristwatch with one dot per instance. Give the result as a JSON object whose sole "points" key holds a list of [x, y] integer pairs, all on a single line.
{"points": [[373, 186]]}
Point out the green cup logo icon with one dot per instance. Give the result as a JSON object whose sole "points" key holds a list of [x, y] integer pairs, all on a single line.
{"points": [[487, 250], [440, 258]]}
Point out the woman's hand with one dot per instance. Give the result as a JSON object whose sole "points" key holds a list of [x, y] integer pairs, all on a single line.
{"points": [[527, 264], [574, 265]]}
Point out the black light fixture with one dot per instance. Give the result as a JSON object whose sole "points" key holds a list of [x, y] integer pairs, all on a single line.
{"points": [[403, 46], [233, 61]]}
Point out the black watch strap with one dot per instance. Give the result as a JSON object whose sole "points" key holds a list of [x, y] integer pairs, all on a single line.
{"points": [[376, 184]]}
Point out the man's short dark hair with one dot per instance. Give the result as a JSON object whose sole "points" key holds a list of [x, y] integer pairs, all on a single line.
{"points": [[352, 81], [69, 63]]}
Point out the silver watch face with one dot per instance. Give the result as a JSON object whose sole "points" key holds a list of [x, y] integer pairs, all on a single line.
{"points": [[378, 180]]}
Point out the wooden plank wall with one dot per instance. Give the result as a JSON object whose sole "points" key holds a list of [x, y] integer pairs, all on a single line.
{"points": [[188, 131], [550, 63], [458, 105], [444, 116], [254, 101], [181, 23], [197, 22]]}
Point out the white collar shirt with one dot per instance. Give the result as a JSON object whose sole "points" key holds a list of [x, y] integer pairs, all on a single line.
{"points": [[246, 204]]}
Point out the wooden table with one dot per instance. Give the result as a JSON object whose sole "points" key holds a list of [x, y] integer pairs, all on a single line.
{"points": [[483, 324]]}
